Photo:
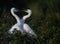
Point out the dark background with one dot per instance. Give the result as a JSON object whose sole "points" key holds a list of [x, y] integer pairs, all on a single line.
{"points": [[45, 21]]}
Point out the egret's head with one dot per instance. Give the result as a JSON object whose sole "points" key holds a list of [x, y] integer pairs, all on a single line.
{"points": [[28, 11], [13, 9]]}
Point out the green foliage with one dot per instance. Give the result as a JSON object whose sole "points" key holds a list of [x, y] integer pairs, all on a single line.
{"points": [[45, 21]]}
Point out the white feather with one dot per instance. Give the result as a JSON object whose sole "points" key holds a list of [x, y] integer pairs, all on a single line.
{"points": [[20, 25], [29, 30]]}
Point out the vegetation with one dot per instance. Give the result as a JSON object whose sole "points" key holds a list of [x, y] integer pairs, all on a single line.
{"points": [[45, 21]]}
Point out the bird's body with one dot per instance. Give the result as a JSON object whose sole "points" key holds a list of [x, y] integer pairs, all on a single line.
{"points": [[20, 25], [29, 30]]}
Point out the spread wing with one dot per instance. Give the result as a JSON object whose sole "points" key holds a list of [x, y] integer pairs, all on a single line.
{"points": [[29, 30]]}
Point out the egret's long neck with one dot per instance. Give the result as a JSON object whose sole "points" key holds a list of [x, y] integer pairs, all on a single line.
{"points": [[17, 18], [29, 14]]}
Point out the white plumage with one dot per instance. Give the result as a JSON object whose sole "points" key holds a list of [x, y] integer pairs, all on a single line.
{"points": [[28, 30], [20, 25]]}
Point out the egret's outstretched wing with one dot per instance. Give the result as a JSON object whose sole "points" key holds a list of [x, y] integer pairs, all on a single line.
{"points": [[29, 30]]}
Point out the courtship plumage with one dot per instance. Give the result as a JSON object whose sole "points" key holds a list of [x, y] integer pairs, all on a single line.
{"points": [[20, 25]]}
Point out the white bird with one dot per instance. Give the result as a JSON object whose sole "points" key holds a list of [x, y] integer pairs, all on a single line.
{"points": [[20, 25]]}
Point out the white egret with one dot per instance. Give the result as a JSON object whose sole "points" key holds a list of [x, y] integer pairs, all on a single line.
{"points": [[20, 25]]}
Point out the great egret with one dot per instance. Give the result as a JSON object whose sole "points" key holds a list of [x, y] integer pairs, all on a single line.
{"points": [[20, 25]]}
